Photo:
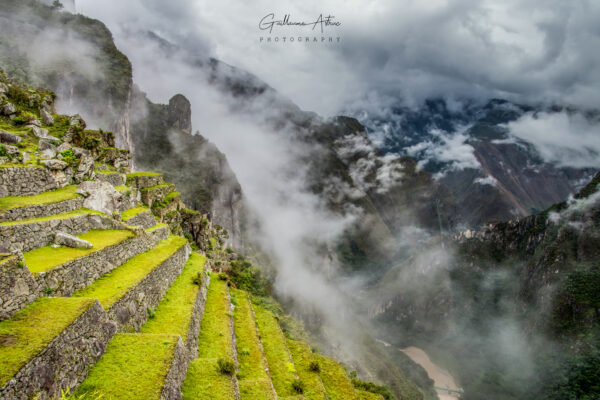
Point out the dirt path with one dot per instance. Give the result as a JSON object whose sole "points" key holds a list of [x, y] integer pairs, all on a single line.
{"points": [[441, 377]]}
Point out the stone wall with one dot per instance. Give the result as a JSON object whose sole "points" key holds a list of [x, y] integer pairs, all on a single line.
{"points": [[160, 233], [144, 220], [197, 313], [66, 279], [114, 179], [65, 361], [26, 180], [17, 286], [41, 210], [131, 311], [176, 375], [143, 181], [149, 196], [23, 237]]}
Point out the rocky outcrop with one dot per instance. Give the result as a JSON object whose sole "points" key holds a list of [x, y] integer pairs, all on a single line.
{"points": [[179, 113], [100, 196]]}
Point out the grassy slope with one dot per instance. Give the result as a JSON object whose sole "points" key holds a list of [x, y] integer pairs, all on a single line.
{"points": [[215, 333], [54, 196], [66, 215], [204, 382], [173, 314], [132, 212], [302, 356], [253, 381], [363, 395], [335, 379], [30, 330], [114, 285], [133, 367], [281, 367], [46, 258]]}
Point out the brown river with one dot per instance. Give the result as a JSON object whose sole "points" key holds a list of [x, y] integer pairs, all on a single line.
{"points": [[441, 377]]}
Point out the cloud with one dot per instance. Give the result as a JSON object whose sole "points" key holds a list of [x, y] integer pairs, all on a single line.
{"points": [[518, 49], [565, 139], [488, 180]]}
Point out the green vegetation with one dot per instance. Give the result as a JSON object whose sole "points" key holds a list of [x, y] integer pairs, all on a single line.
{"points": [[215, 333], [46, 258], [54, 196], [122, 188], [30, 330], [134, 367], [105, 172], [174, 312], [114, 285], [163, 185], [132, 212], [136, 174], [226, 366], [155, 227], [248, 277], [380, 391], [69, 157], [204, 382], [364, 395], [252, 378], [335, 380], [282, 370], [65, 215], [308, 370]]}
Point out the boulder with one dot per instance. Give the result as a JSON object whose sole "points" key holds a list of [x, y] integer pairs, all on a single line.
{"points": [[100, 196], [33, 122], [8, 109], [46, 143], [85, 169], [47, 118], [6, 137], [34, 99], [63, 147], [64, 239], [79, 152], [11, 150], [39, 132], [55, 165], [26, 158], [77, 122]]}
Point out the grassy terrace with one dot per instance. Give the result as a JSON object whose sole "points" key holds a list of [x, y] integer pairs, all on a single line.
{"points": [[132, 212], [155, 227], [146, 189], [54, 196], [66, 215], [105, 172], [46, 258], [335, 379], [363, 395], [30, 330], [173, 314], [122, 188], [253, 381], [114, 285], [134, 367], [302, 356], [204, 382], [282, 370], [215, 332], [136, 174]]}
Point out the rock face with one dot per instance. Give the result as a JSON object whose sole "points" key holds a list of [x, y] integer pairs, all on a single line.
{"points": [[64, 239], [180, 113], [6, 137], [100, 196]]}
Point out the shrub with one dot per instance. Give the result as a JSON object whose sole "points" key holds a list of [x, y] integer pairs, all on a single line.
{"points": [[229, 250], [314, 366], [298, 386], [69, 157], [151, 313], [3, 152], [197, 280], [225, 366], [223, 276]]}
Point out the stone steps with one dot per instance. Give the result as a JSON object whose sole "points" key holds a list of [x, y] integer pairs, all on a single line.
{"points": [[62, 271], [28, 234], [181, 309], [336, 381], [49, 345], [281, 365], [302, 355], [128, 292], [42, 205], [138, 366], [253, 377], [139, 216]]}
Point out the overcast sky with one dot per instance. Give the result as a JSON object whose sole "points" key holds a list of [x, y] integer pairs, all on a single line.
{"points": [[525, 50]]}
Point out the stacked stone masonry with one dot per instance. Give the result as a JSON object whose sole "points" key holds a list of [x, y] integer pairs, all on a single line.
{"points": [[26, 181], [176, 375], [144, 220], [114, 179], [64, 363], [41, 210]]}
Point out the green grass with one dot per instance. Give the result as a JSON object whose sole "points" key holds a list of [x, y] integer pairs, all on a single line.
{"points": [[30, 330], [364, 395], [46, 258], [335, 379], [134, 367], [215, 332], [114, 285], [282, 370], [55, 196], [105, 172], [136, 174], [155, 227], [171, 196], [132, 212], [122, 188], [173, 314], [156, 187], [204, 382], [302, 356], [65, 215], [253, 380]]}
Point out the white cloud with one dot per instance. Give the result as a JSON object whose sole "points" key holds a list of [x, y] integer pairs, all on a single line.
{"points": [[488, 180], [568, 140]]}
